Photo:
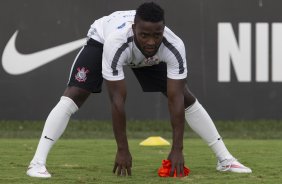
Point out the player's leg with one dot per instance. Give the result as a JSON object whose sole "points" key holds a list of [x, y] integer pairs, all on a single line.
{"points": [[54, 127], [201, 123], [85, 78]]}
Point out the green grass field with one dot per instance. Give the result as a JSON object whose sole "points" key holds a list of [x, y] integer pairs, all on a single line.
{"points": [[88, 158]]}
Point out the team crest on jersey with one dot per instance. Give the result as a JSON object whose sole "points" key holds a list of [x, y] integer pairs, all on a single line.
{"points": [[152, 60], [81, 74]]}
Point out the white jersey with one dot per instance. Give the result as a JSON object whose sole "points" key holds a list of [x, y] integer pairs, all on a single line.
{"points": [[115, 32]]}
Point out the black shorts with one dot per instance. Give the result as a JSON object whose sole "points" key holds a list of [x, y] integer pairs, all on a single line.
{"points": [[86, 72]]}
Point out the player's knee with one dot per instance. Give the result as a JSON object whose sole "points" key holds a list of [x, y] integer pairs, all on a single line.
{"points": [[77, 95], [68, 104], [189, 100]]}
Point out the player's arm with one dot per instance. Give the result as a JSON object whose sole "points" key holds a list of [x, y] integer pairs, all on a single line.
{"points": [[117, 94], [176, 109]]}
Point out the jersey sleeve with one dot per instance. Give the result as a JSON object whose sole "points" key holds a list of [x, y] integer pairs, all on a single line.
{"points": [[115, 55], [176, 60]]}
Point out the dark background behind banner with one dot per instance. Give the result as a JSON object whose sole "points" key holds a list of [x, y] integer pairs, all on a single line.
{"points": [[44, 24]]}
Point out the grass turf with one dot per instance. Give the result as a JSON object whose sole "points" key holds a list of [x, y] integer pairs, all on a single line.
{"points": [[91, 161], [86, 152]]}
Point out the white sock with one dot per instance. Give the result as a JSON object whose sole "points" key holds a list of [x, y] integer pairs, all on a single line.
{"points": [[54, 127], [201, 123]]}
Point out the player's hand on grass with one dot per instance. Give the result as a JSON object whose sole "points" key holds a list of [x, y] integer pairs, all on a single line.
{"points": [[123, 163], [177, 162]]}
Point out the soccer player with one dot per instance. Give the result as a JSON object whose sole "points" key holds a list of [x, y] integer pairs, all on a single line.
{"points": [[140, 40]]}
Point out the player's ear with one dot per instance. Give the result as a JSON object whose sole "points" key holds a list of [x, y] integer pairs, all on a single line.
{"points": [[133, 28]]}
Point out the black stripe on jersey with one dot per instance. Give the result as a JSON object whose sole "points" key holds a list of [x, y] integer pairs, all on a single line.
{"points": [[176, 54], [118, 54]]}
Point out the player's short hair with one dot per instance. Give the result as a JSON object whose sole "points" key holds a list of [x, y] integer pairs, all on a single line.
{"points": [[150, 12]]}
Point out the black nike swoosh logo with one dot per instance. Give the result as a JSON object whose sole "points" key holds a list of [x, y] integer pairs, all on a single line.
{"points": [[48, 138]]}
